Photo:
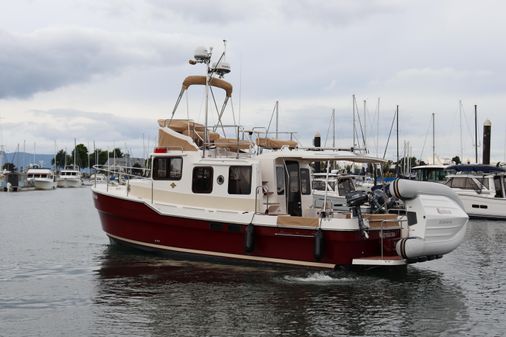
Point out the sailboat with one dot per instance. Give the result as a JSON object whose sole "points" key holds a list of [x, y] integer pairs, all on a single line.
{"points": [[212, 197]]}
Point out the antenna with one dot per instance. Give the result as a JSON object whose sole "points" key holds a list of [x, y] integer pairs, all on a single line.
{"points": [[220, 68]]}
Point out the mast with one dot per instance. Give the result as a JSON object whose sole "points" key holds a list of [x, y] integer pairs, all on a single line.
{"points": [[334, 128], [277, 119], [397, 131], [476, 133], [354, 144], [75, 153], [206, 134], [365, 126], [433, 139], [377, 127], [460, 122]]}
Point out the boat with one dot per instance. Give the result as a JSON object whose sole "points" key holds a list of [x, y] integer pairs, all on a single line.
{"points": [[332, 188], [481, 189], [70, 176], [41, 178], [211, 197]]}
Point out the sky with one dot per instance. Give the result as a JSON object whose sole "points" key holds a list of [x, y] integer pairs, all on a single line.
{"points": [[103, 71]]}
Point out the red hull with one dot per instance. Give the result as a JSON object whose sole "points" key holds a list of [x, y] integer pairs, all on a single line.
{"points": [[135, 223]]}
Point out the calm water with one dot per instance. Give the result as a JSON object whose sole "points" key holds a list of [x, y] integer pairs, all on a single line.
{"points": [[60, 277]]}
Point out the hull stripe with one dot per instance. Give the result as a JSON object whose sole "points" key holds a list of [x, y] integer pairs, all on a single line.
{"points": [[227, 255]]}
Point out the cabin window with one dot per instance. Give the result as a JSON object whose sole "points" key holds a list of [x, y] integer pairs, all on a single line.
{"points": [[463, 183], [318, 185], [167, 168], [202, 181], [484, 182], [305, 181], [498, 187], [239, 180], [458, 183], [470, 184], [345, 186], [280, 179]]}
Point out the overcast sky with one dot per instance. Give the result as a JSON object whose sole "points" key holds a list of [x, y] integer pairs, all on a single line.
{"points": [[104, 71]]}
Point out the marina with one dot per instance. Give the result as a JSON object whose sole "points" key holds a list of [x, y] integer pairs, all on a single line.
{"points": [[170, 168], [66, 279]]}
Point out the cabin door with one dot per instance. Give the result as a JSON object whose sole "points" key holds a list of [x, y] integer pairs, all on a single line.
{"points": [[293, 188]]}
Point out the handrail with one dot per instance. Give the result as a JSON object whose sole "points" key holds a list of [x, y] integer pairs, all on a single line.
{"points": [[108, 170], [256, 197]]}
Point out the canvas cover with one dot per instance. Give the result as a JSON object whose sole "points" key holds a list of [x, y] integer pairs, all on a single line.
{"points": [[172, 140], [275, 144]]}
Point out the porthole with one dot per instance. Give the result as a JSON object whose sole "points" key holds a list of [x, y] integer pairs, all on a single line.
{"points": [[220, 180]]}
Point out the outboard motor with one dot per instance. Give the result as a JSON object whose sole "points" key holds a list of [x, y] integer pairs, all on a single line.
{"points": [[379, 201], [354, 200]]}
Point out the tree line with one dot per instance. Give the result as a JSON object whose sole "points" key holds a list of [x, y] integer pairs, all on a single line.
{"points": [[84, 158]]}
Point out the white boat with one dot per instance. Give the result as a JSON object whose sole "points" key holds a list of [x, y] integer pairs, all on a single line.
{"points": [[239, 199], [41, 178], [70, 176], [332, 189], [481, 189]]}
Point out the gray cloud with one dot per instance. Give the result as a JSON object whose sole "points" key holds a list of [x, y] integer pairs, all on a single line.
{"points": [[48, 59], [319, 12], [67, 124]]}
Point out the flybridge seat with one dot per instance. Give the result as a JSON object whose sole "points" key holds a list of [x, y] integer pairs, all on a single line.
{"points": [[187, 135], [275, 144]]}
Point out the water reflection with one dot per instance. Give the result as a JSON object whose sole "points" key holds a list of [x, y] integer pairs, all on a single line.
{"points": [[148, 293]]}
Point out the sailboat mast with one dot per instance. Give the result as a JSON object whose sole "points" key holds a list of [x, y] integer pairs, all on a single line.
{"points": [[397, 131], [277, 118], [433, 139], [377, 127], [354, 144], [460, 122], [476, 133], [75, 153], [334, 128], [365, 125]]}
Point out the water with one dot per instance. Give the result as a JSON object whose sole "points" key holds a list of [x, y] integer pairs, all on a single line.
{"points": [[60, 277]]}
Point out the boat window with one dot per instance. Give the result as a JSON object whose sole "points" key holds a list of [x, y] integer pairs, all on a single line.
{"points": [[239, 180], [458, 183], [449, 182], [293, 180], [318, 185], [345, 186], [471, 184], [498, 187], [484, 182], [280, 179], [305, 182], [202, 181], [167, 168]]}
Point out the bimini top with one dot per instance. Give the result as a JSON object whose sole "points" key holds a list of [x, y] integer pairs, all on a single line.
{"points": [[310, 155], [474, 168], [433, 167]]}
